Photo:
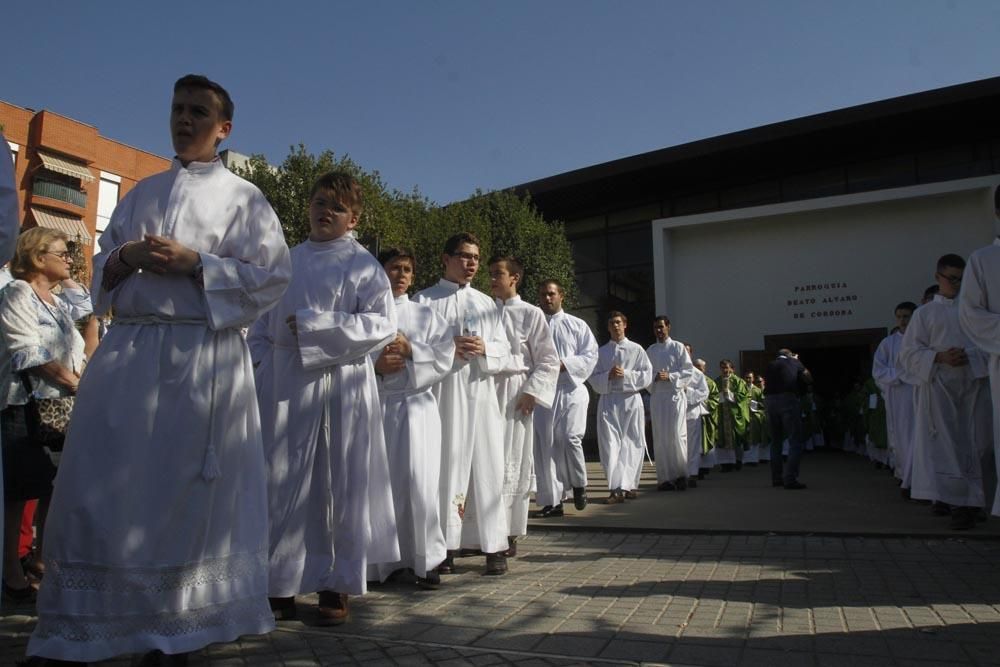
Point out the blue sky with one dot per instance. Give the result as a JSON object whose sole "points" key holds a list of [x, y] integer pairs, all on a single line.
{"points": [[449, 96]]}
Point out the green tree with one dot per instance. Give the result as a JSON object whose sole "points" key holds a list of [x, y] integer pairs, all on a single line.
{"points": [[505, 223]]}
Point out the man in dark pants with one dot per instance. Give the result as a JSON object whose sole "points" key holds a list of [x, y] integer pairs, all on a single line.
{"points": [[786, 380]]}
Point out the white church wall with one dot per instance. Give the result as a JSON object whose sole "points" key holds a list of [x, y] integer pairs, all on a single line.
{"points": [[728, 279]]}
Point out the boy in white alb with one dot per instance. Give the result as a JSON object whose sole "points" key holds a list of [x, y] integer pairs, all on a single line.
{"points": [[330, 503], [529, 380]]}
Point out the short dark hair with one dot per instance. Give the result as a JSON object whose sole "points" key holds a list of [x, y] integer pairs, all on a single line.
{"points": [[662, 318], [617, 313], [552, 281], [454, 241], [513, 264], [728, 362], [397, 252], [906, 305], [345, 188], [202, 82], [931, 291], [950, 261]]}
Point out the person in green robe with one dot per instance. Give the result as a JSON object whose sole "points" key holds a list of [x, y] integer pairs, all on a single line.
{"points": [[734, 416], [755, 421], [765, 426], [875, 423], [709, 422]]}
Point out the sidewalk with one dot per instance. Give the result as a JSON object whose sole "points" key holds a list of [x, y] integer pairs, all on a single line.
{"points": [[613, 597]]}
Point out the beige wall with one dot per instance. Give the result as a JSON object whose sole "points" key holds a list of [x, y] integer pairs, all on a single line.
{"points": [[728, 279]]}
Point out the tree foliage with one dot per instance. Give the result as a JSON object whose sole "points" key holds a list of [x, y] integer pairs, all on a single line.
{"points": [[505, 223]]}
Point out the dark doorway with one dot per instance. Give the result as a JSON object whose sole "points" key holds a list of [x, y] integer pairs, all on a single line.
{"points": [[837, 360]]}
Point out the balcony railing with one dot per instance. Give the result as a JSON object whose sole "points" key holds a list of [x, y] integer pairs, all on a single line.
{"points": [[59, 191]]}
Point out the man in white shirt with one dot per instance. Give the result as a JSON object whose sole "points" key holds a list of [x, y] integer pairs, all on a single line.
{"points": [[672, 370]]}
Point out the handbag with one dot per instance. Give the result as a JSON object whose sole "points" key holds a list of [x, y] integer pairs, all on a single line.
{"points": [[47, 418]]}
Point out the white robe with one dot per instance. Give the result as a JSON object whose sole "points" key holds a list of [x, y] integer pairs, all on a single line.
{"points": [[329, 497], [954, 426], [157, 533], [980, 319], [413, 437], [897, 388], [621, 424], [695, 394], [558, 450], [471, 426], [668, 408], [533, 369]]}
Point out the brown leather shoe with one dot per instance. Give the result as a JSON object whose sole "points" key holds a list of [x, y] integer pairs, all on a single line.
{"points": [[333, 608], [632, 495], [614, 499]]}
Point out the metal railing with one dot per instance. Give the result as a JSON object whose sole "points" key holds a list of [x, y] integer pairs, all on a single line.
{"points": [[59, 191]]}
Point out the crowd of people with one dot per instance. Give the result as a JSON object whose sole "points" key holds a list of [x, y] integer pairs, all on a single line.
{"points": [[261, 423]]}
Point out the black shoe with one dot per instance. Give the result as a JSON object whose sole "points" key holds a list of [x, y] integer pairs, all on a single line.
{"points": [[511, 547], [579, 497], [702, 472], [431, 582], [739, 465], [963, 518], [941, 509], [496, 564], [550, 511], [681, 484], [795, 486], [665, 486], [283, 608], [692, 482], [447, 566]]}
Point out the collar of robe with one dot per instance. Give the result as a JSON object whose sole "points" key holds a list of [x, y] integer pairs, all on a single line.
{"points": [[401, 299], [555, 315], [513, 299], [943, 299], [454, 287], [333, 244], [197, 167]]}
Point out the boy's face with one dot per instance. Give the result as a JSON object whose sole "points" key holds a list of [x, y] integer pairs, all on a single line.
{"points": [[400, 272], [503, 283], [462, 265], [661, 330], [616, 327], [550, 299], [329, 218], [949, 280], [196, 124], [903, 319]]}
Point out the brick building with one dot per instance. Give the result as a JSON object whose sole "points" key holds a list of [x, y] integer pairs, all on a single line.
{"points": [[68, 176]]}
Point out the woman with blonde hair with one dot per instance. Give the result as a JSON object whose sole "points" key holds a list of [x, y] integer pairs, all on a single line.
{"points": [[40, 349]]}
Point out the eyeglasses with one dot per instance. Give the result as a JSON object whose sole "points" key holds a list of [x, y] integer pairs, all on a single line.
{"points": [[65, 255], [954, 280], [467, 256]]}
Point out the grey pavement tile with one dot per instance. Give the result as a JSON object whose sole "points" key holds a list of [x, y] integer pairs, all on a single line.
{"points": [[753, 657], [575, 645], [644, 651], [704, 656], [453, 635], [510, 641]]}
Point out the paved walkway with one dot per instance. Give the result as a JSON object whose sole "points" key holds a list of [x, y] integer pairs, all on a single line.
{"points": [[610, 596]]}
